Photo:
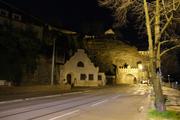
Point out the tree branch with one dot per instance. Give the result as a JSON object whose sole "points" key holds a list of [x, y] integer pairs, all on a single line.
{"points": [[176, 19], [167, 50], [163, 4], [165, 41], [171, 4], [167, 23]]}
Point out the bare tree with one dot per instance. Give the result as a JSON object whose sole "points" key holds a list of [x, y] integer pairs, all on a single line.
{"points": [[162, 14]]}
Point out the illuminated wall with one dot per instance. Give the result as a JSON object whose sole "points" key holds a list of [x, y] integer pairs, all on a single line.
{"points": [[130, 75], [80, 71], [127, 75]]}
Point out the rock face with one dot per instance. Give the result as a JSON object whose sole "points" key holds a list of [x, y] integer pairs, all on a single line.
{"points": [[113, 52], [118, 58]]}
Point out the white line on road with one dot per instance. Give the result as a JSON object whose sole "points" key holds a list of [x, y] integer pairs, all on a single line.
{"points": [[115, 97], [95, 104], [136, 92], [142, 93], [70, 113], [11, 101], [40, 97]]}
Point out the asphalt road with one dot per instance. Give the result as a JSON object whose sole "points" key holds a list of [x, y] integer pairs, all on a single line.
{"points": [[111, 103]]}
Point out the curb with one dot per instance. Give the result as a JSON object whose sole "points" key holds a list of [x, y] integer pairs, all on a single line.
{"points": [[41, 97], [11, 101]]}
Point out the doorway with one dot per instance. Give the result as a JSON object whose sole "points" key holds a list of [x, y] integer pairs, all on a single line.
{"points": [[69, 79]]}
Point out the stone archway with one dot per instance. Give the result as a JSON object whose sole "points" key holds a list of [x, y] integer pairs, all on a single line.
{"points": [[127, 75], [130, 79]]}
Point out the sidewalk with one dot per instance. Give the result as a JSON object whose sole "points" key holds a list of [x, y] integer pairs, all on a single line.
{"points": [[173, 98], [172, 104]]}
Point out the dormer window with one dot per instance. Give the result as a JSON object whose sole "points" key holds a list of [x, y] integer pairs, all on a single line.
{"points": [[4, 13], [16, 17], [80, 64]]}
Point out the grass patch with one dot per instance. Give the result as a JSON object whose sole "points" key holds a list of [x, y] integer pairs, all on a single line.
{"points": [[167, 115]]}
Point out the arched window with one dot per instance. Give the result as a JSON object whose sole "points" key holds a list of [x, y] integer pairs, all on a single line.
{"points": [[80, 64]]}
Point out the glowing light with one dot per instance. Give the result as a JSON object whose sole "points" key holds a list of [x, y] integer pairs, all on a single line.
{"points": [[140, 66]]}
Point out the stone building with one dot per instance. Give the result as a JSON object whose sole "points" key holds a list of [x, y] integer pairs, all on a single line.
{"points": [[80, 71], [20, 19]]}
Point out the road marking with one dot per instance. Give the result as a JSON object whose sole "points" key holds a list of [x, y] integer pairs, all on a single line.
{"points": [[11, 101], [71, 93], [70, 113], [95, 104], [142, 93], [115, 97], [135, 92]]}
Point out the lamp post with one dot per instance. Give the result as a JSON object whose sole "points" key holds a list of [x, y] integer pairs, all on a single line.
{"points": [[140, 67], [169, 81], [53, 58]]}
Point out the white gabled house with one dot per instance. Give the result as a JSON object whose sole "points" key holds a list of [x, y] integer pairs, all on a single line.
{"points": [[80, 71]]}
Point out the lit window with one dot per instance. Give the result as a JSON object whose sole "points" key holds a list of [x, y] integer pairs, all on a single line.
{"points": [[83, 77], [16, 16], [4, 12], [80, 64], [99, 77], [91, 77]]}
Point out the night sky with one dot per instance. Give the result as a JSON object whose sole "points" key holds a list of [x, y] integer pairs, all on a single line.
{"points": [[70, 14], [82, 16]]}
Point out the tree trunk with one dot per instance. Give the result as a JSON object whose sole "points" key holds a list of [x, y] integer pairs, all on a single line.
{"points": [[159, 98], [153, 55]]}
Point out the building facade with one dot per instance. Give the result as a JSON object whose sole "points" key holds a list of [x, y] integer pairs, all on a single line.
{"points": [[19, 19], [131, 75], [80, 71]]}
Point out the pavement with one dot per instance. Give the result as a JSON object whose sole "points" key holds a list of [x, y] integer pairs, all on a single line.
{"points": [[112, 103], [37, 98], [75, 90], [172, 103], [173, 98]]}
